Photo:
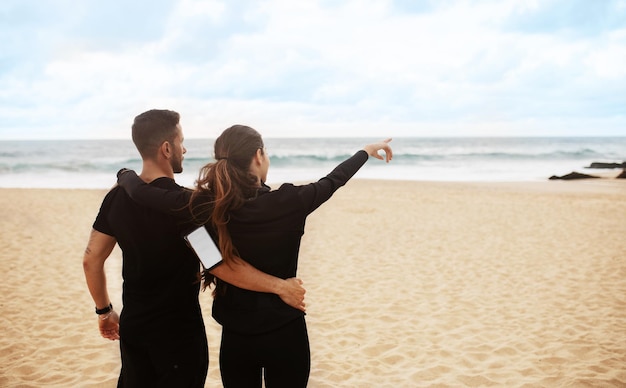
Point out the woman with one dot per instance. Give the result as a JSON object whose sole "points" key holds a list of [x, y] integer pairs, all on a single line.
{"points": [[264, 227]]}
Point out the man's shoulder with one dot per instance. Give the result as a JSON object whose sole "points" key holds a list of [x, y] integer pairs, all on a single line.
{"points": [[113, 198], [167, 183], [113, 192]]}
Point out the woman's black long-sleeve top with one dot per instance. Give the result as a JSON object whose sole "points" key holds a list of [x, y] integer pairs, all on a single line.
{"points": [[266, 231]]}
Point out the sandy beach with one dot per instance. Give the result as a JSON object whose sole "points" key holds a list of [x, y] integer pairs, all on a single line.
{"points": [[409, 284]]}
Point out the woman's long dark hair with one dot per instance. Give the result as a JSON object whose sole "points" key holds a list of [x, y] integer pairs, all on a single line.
{"points": [[228, 182]]}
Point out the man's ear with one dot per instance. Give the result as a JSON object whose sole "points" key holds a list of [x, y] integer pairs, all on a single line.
{"points": [[166, 149]]}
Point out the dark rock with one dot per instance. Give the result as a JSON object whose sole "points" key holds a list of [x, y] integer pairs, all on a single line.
{"points": [[607, 165], [573, 175], [622, 175]]}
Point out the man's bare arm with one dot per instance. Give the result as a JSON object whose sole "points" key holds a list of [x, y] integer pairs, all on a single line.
{"points": [[243, 275], [98, 249]]}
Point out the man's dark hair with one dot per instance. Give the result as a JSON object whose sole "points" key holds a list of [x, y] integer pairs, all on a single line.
{"points": [[152, 128]]}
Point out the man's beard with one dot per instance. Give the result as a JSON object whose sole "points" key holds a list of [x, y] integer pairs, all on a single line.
{"points": [[178, 167]]}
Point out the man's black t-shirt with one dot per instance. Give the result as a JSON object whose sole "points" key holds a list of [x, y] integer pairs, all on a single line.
{"points": [[160, 291]]}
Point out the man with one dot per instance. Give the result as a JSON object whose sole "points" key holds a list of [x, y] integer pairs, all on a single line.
{"points": [[161, 330]]}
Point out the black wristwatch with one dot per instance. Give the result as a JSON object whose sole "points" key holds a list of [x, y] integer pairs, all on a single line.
{"points": [[104, 310]]}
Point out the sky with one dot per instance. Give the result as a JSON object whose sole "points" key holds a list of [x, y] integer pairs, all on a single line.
{"points": [[326, 68]]}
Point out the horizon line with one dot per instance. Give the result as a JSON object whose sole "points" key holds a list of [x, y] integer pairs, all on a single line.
{"points": [[342, 137]]}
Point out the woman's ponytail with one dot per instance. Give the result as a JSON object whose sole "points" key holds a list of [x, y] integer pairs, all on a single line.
{"points": [[228, 183]]}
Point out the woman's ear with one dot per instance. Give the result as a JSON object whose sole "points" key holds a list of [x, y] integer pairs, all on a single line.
{"points": [[258, 157]]}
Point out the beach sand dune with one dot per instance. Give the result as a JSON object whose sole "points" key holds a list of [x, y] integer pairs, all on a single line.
{"points": [[409, 284]]}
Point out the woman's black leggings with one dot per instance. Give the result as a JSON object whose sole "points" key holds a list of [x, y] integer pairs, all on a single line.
{"points": [[283, 354]]}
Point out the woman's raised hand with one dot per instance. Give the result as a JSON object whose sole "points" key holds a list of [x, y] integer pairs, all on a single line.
{"points": [[372, 150]]}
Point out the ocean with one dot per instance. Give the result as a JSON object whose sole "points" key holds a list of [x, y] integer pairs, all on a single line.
{"points": [[92, 164]]}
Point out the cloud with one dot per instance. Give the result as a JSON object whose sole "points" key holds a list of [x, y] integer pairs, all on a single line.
{"points": [[314, 68], [574, 18]]}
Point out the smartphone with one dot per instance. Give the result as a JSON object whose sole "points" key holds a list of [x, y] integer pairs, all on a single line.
{"points": [[205, 248]]}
